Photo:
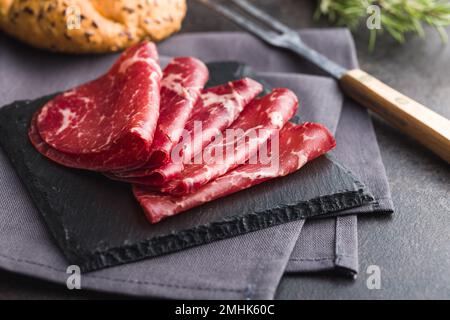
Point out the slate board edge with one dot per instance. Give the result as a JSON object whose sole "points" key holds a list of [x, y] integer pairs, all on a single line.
{"points": [[22, 170], [228, 228]]}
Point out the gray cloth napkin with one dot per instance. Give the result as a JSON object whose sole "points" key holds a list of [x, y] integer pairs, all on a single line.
{"points": [[323, 244], [249, 266]]}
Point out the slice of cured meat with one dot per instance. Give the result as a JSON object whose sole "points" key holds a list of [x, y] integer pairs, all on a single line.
{"points": [[298, 144], [216, 110], [155, 178], [182, 82], [106, 124], [241, 141], [112, 159]]}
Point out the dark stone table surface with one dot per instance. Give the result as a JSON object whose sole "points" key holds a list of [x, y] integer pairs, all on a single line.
{"points": [[412, 247]]}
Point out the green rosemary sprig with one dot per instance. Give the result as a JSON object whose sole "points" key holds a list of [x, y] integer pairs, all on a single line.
{"points": [[398, 17]]}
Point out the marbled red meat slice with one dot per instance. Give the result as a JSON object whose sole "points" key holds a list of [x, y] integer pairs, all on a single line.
{"points": [[122, 103], [183, 79], [263, 117], [216, 110], [298, 144], [115, 158], [155, 178], [108, 123]]}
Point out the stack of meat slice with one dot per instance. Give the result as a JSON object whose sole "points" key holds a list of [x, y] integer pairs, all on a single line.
{"points": [[298, 145], [180, 145], [107, 124], [215, 110]]}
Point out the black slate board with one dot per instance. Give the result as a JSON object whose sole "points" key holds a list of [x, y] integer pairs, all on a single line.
{"points": [[97, 223]]}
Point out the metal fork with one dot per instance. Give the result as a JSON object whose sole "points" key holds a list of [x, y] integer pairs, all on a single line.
{"points": [[416, 120]]}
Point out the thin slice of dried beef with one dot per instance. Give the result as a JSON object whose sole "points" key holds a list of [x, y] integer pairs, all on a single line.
{"points": [[106, 124], [183, 80], [216, 110], [114, 158], [241, 141], [298, 144]]}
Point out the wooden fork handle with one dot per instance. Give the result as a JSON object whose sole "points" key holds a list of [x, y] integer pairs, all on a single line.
{"points": [[416, 120]]}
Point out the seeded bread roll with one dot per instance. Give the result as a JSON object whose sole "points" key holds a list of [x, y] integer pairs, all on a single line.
{"points": [[90, 26]]}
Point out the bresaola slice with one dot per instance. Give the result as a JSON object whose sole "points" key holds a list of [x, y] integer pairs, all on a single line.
{"points": [[183, 79], [255, 125], [114, 158], [216, 110], [106, 124], [298, 144]]}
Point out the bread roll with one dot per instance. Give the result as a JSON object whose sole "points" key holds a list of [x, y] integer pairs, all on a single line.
{"points": [[90, 26]]}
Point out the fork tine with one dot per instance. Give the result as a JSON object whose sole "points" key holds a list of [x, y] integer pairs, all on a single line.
{"points": [[240, 20], [262, 16], [285, 37]]}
